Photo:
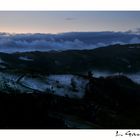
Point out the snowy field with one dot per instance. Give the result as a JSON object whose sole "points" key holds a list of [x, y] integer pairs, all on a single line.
{"points": [[62, 85], [56, 84]]}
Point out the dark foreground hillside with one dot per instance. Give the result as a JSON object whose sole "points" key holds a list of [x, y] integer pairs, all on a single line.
{"points": [[112, 102]]}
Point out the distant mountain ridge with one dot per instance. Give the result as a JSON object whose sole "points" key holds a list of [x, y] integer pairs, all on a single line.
{"points": [[116, 58]]}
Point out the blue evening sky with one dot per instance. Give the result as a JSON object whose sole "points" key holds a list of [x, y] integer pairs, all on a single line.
{"points": [[57, 22]]}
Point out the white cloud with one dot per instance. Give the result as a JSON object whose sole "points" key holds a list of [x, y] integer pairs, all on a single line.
{"points": [[74, 41], [134, 40]]}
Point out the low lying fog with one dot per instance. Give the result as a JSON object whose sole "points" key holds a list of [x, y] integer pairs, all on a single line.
{"points": [[135, 77]]}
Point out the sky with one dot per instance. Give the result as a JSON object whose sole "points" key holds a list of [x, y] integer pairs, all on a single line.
{"points": [[67, 21]]}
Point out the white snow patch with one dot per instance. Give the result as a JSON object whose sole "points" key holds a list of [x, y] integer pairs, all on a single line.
{"points": [[134, 77], [63, 79], [101, 73], [62, 85], [25, 58], [8, 80], [35, 83]]}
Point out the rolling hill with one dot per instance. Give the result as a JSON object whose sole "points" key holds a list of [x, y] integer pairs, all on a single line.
{"points": [[114, 58]]}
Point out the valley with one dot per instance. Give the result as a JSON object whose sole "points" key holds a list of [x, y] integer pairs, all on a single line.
{"points": [[97, 88]]}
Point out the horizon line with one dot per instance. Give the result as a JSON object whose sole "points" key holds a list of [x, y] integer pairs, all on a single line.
{"points": [[68, 32]]}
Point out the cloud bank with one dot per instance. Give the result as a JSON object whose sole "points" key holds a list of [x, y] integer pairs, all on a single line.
{"points": [[10, 43]]}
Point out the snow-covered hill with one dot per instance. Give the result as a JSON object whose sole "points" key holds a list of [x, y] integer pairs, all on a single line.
{"points": [[54, 84]]}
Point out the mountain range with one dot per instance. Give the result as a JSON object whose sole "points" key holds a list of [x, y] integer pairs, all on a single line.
{"points": [[114, 58]]}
